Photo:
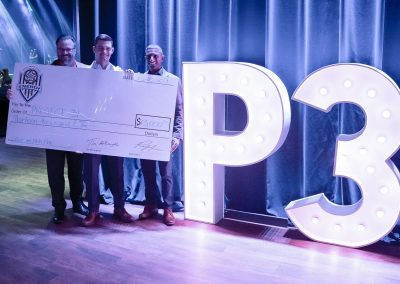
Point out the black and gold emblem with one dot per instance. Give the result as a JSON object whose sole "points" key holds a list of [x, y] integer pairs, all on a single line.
{"points": [[29, 84]]}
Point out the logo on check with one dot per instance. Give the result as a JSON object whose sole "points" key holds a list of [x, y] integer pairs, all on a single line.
{"points": [[29, 83]]}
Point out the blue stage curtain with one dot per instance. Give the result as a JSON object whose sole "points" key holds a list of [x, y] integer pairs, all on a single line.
{"points": [[291, 38]]}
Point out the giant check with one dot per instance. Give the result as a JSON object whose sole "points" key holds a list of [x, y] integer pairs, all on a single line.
{"points": [[92, 111]]}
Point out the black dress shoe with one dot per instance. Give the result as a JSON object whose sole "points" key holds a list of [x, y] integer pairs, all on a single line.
{"points": [[80, 208], [58, 218]]}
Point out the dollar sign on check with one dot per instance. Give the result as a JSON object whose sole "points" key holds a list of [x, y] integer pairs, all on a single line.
{"points": [[138, 121]]}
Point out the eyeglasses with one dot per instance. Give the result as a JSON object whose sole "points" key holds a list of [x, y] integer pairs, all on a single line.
{"points": [[148, 57], [67, 50]]}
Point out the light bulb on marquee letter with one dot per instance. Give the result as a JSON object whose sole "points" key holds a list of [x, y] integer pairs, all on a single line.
{"points": [[206, 152], [364, 157]]}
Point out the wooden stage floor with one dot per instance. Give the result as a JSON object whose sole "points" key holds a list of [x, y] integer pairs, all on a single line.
{"points": [[34, 250]]}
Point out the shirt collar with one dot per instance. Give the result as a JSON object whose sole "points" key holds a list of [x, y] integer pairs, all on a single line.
{"points": [[58, 63], [159, 72], [95, 65]]}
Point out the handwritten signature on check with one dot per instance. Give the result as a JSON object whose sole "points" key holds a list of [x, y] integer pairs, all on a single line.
{"points": [[146, 146], [102, 143]]}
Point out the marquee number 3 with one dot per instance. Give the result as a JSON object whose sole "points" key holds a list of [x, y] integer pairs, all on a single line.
{"points": [[364, 157]]}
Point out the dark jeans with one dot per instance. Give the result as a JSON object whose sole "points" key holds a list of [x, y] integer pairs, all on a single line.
{"points": [[149, 174], [55, 161], [114, 166]]}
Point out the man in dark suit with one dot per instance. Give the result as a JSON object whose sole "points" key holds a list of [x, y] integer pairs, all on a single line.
{"points": [[55, 159]]}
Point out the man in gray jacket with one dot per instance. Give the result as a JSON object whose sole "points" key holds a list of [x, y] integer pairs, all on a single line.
{"points": [[155, 58]]}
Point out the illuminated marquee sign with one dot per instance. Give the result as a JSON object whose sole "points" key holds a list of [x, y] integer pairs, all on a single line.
{"points": [[364, 157], [207, 149]]}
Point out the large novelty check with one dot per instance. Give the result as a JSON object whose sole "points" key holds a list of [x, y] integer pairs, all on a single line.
{"points": [[92, 111]]}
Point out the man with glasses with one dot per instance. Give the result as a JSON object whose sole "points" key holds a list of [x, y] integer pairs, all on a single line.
{"points": [[155, 58], [103, 49], [55, 159]]}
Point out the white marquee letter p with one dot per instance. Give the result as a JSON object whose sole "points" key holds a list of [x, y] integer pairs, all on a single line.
{"points": [[208, 147]]}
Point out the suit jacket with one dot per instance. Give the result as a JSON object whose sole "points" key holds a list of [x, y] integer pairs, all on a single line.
{"points": [[177, 131]]}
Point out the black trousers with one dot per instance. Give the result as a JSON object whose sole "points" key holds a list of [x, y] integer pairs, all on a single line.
{"points": [[149, 174], [115, 170], [55, 160]]}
